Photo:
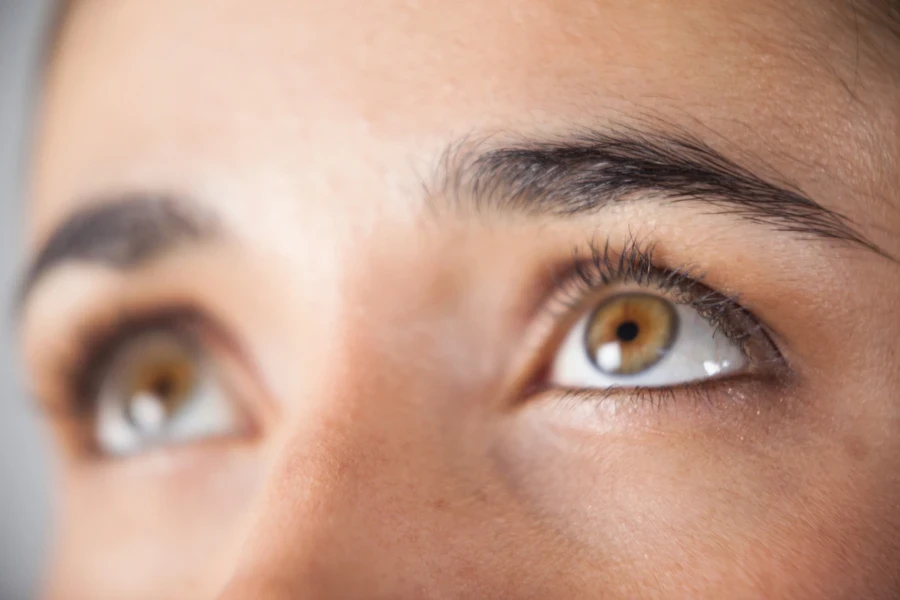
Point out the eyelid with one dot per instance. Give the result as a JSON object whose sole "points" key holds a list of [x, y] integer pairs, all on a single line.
{"points": [[597, 270], [98, 344], [637, 264], [97, 340]]}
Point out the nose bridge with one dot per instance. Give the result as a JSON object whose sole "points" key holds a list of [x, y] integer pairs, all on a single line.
{"points": [[383, 480], [357, 468], [319, 523]]}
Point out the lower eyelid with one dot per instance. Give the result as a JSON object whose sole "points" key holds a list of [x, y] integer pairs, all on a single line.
{"points": [[739, 401]]}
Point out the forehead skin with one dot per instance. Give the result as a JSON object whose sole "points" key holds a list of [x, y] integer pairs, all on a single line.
{"points": [[260, 90], [309, 126]]}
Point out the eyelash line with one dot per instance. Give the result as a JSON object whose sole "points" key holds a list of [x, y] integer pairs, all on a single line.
{"points": [[97, 345], [599, 266], [707, 395], [637, 263], [572, 287]]}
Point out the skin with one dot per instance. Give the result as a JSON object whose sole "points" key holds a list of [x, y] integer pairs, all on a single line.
{"points": [[380, 339]]}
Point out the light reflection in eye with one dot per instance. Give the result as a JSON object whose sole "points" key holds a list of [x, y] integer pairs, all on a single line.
{"points": [[643, 340], [159, 389], [629, 333]]}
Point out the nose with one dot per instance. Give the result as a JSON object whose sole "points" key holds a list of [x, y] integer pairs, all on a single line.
{"points": [[381, 489], [340, 505]]}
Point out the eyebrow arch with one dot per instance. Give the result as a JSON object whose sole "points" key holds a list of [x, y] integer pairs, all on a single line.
{"points": [[592, 170], [120, 233], [582, 174]]}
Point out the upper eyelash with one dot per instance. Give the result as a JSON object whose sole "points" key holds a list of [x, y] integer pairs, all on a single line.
{"points": [[636, 263], [96, 346], [604, 267]]}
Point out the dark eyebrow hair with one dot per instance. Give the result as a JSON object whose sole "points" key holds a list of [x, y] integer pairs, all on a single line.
{"points": [[591, 170], [578, 175], [122, 233]]}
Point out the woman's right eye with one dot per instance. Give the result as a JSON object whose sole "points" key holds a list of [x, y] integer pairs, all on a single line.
{"points": [[160, 388]]}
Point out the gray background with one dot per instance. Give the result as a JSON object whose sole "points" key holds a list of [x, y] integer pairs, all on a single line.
{"points": [[24, 487]]}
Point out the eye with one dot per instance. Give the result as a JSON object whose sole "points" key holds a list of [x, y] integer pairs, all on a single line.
{"points": [[159, 388], [640, 339]]}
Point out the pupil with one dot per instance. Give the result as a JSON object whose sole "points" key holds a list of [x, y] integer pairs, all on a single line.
{"points": [[627, 331], [164, 387]]}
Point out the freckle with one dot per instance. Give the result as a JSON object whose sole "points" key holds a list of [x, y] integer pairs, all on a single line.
{"points": [[856, 448]]}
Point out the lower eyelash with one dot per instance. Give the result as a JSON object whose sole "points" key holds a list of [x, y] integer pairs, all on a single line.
{"points": [[705, 396], [638, 398]]}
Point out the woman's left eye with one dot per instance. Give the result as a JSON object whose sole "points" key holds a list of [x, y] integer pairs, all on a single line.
{"points": [[642, 339], [161, 388]]}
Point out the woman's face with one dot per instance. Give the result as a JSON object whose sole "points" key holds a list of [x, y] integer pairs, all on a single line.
{"points": [[535, 299]]}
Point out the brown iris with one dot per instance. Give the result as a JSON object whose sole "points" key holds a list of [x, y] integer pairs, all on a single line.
{"points": [[166, 378], [630, 333]]}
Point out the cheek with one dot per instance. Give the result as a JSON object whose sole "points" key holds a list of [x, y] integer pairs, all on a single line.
{"points": [[708, 512], [173, 524]]}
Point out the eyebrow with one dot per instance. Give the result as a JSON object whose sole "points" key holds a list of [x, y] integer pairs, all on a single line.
{"points": [[120, 233], [574, 176], [592, 170]]}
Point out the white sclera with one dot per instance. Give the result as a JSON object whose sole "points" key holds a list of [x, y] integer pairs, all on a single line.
{"points": [[698, 352], [148, 413], [128, 422]]}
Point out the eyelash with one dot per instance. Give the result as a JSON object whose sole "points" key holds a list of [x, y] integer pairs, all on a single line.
{"points": [[97, 344], [638, 264], [581, 281], [704, 394]]}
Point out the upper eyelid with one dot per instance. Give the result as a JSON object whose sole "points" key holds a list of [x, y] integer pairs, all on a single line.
{"points": [[97, 344], [636, 263], [577, 284], [75, 377]]}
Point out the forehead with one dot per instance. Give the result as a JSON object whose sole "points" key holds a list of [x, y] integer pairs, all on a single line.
{"points": [[304, 98]]}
